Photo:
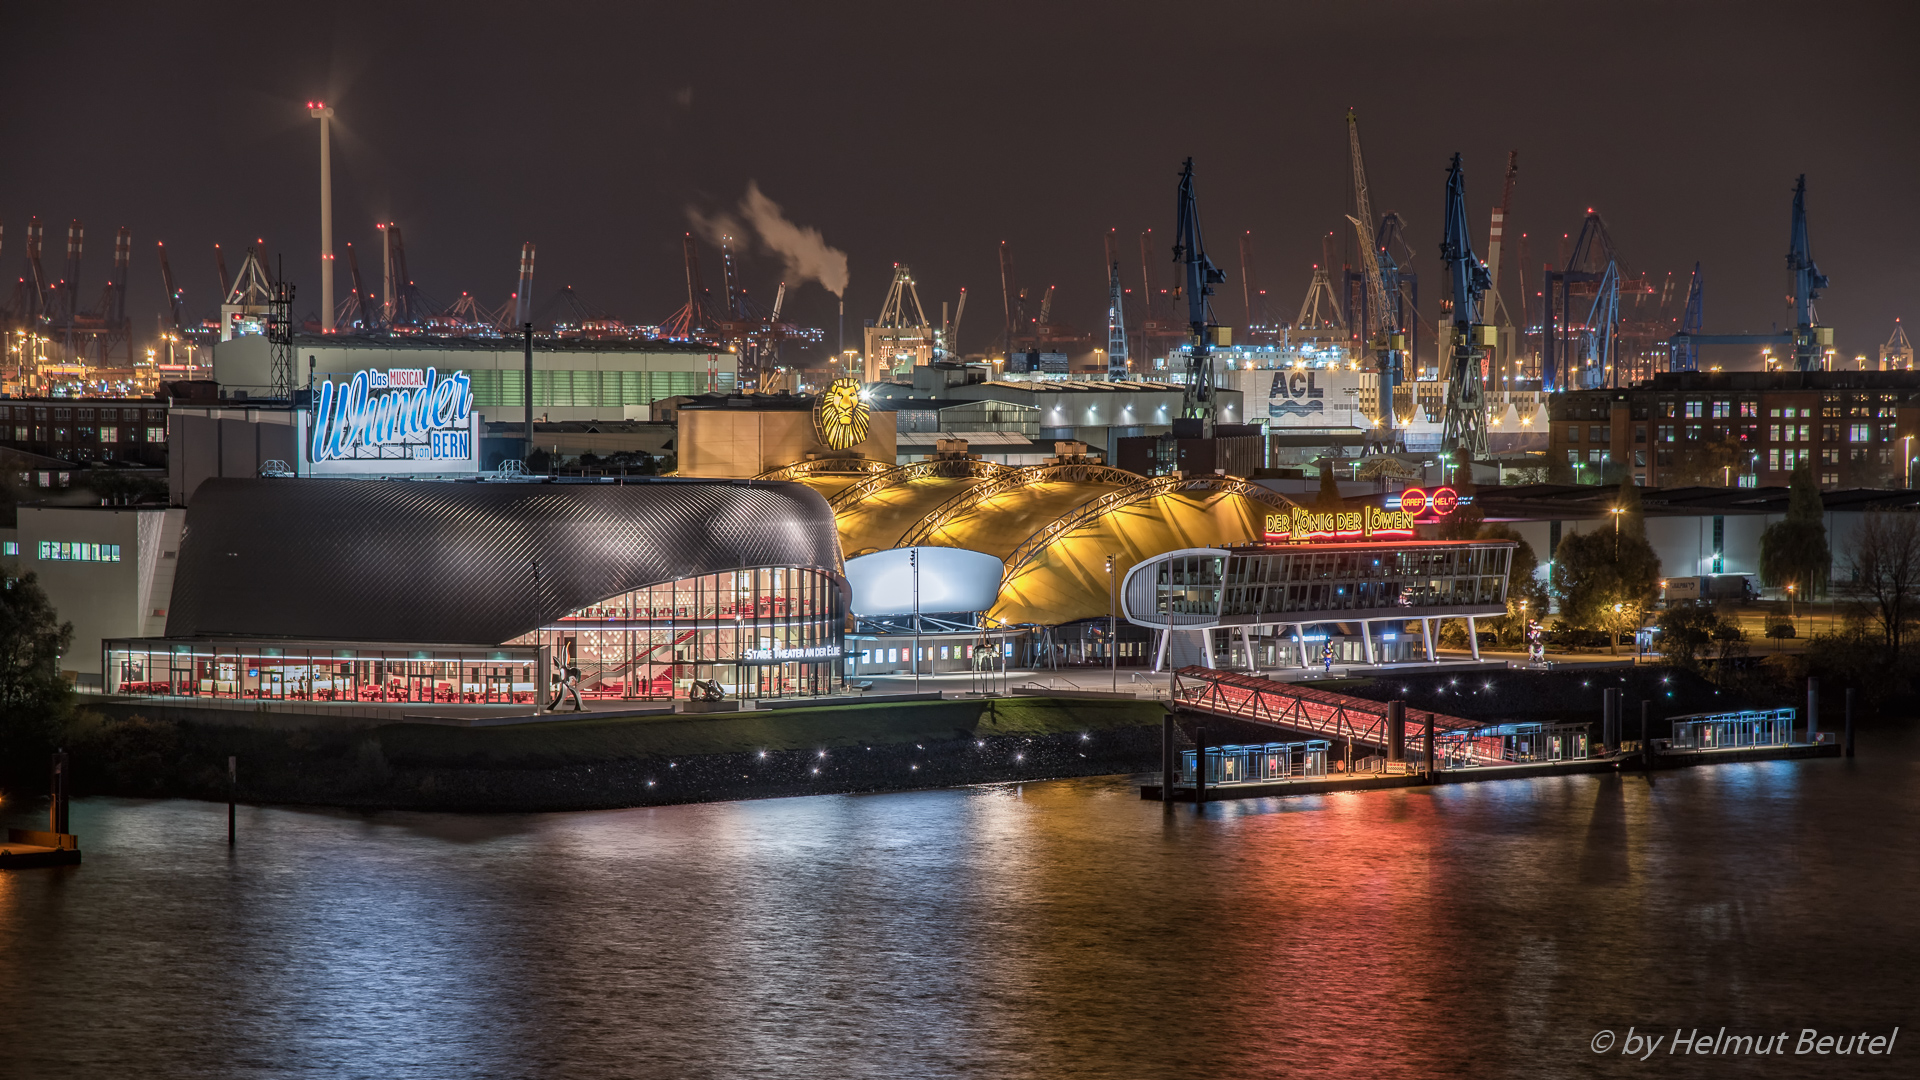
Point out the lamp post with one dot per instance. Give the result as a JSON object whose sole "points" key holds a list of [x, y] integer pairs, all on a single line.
{"points": [[1113, 627], [1908, 456], [1616, 511]]}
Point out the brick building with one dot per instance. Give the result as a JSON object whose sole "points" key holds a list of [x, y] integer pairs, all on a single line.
{"points": [[87, 430], [1751, 428]]}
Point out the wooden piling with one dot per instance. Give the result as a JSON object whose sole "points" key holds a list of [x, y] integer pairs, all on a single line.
{"points": [[1166, 760]]}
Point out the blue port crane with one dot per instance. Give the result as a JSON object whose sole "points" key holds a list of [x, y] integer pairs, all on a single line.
{"points": [[1686, 357], [1465, 433], [1807, 342], [1201, 275]]}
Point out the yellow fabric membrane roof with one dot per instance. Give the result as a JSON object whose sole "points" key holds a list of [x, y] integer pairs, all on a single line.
{"points": [[1063, 578]]}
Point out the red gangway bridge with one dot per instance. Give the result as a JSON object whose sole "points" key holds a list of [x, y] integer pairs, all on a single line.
{"points": [[1328, 715]]}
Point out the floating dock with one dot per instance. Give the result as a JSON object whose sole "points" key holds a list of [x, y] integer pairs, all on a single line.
{"points": [[1631, 762], [25, 848]]}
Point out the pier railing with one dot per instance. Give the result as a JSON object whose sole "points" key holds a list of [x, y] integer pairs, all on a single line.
{"points": [[1313, 711]]}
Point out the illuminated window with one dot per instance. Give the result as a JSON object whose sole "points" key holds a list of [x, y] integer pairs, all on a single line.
{"points": [[78, 551]]}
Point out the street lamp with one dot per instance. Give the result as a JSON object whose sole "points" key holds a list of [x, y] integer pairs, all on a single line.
{"points": [[1616, 511], [1113, 627], [1908, 454]]}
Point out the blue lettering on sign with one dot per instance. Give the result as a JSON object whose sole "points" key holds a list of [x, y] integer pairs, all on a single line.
{"points": [[374, 409], [1294, 394]]}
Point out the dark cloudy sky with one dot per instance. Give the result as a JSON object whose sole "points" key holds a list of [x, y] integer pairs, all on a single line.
{"points": [[928, 133]]}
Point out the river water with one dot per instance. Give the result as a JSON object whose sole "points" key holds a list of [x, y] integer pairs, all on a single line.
{"points": [[1045, 930]]}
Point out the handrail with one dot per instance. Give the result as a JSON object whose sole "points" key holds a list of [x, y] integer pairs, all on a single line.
{"points": [[1088, 513], [967, 500], [828, 466], [919, 470], [1323, 712]]}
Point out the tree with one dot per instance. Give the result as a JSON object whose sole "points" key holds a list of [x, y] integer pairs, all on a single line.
{"points": [[1523, 584], [1705, 462], [1608, 578], [34, 699], [1329, 497], [1793, 551], [1691, 633], [1884, 572]]}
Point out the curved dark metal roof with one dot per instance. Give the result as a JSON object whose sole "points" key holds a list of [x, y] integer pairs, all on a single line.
{"points": [[379, 560]]}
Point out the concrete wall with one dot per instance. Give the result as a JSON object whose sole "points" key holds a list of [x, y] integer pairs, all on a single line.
{"points": [[209, 442], [739, 443], [243, 365], [127, 598]]}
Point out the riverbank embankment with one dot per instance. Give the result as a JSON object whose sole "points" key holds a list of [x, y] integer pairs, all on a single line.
{"points": [[604, 762]]}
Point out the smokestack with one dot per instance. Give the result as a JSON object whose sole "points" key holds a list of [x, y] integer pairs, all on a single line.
{"points": [[523, 308], [122, 259], [320, 111], [76, 243], [386, 259]]}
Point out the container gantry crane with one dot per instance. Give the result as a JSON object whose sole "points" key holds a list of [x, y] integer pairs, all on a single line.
{"points": [[1808, 340], [1465, 433]]}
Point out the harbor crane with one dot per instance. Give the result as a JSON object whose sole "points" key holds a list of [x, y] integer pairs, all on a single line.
{"points": [[1201, 275], [1808, 340], [1465, 433], [1378, 326]]}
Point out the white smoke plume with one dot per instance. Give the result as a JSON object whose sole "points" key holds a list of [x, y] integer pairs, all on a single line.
{"points": [[806, 253]]}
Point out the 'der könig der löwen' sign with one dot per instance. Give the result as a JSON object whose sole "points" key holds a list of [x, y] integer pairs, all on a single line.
{"points": [[401, 421], [1368, 522]]}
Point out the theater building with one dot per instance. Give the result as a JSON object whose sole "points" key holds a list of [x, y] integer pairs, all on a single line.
{"points": [[1359, 581], [484, 593]]}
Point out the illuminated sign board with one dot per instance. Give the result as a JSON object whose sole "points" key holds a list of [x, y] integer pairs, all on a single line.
{"points": [[1442, 501], [781, 656], [1368, 522], [401, 421]]}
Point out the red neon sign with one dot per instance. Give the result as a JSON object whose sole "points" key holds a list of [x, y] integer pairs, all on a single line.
{"points": [[1413, 501], [1444, 501]]}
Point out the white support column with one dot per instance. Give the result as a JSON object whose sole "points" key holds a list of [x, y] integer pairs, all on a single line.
{"points": [[1366, 635], [1426, 637], [1473, 637], [1246, 638], [1300, 637], [1206, 646], [1160, 654]]}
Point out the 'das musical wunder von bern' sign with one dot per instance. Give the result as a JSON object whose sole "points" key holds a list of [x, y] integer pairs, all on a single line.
{"points": [[398, 420]]}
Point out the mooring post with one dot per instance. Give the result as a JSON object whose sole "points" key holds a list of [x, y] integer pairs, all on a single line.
{"points": [[1432, 757], [1849, 735], [1646, 745], [1199, 765], [1610, 719], [233, 782], [1397, 732], [1813, 705], [57, 794], [1166, 760]]}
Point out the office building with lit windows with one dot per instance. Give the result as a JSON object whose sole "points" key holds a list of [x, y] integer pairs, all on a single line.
{"points": [[1854, 429]]}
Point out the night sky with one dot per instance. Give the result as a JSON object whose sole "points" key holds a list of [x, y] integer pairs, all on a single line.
{"points": [[926, 134]]}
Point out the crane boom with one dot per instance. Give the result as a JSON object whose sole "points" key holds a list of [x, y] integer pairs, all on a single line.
{"points": [[173, 291], [1362, 219]]}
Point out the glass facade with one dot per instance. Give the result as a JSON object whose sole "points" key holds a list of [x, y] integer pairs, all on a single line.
{"points": [[321, 671], [1288, 583], [765, 632]]}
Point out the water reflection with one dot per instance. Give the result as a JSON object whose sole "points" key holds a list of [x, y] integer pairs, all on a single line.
{"points": [[1025, 930]]}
